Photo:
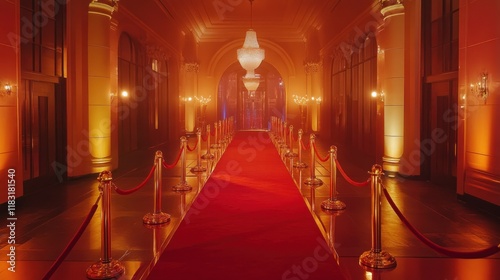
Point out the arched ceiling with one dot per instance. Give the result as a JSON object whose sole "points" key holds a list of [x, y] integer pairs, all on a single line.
{"points": [[278, 20]]}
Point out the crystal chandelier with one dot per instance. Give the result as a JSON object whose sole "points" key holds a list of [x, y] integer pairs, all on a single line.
{"points": [[250, 55], [251, 82]]}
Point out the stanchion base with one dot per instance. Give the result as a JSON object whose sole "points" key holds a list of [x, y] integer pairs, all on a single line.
{"points": [[108, 270], [372, 259], [208, 156], [313, 182], [156, 218], [198, 168], [300, 165], [333, 204], [182, 186]]}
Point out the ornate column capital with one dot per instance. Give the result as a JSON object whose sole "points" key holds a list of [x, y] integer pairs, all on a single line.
{"points": [[192, 67], [391, 7], [312, 67], [103, 7]]}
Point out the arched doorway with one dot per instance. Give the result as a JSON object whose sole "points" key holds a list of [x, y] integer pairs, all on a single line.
{"points": [[251, 110]]}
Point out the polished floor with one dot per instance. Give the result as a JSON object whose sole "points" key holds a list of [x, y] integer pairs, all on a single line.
{"points": [[49, 216]]}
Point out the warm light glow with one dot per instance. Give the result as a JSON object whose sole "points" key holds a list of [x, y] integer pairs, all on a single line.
{"points": [[374, 94], [300, 100], [250, 55], [316, 99], [203, 100], [251, 82], [7, 89], [124, 93]]}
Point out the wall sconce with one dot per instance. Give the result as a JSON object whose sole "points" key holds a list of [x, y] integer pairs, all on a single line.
{"points": [[6, 90], [316, 99], [186, 99], [203, 100], [480, 89], [300, 100], [380, 95]]}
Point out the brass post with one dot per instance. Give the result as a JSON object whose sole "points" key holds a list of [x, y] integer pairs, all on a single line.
{"points": [[106, 267], [198, 167], [183, 185], [312, 180], [157, 217], [208, 155], [376, 258], [333, 203], [300, 163]]}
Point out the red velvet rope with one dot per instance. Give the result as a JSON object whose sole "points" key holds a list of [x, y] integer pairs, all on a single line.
{"points": [[204, 138], [354, 183], [193, 148], [451, 253], [304, 146], [168, 166], [73, 241], [212, 132], [319, 156], [127, 192]]}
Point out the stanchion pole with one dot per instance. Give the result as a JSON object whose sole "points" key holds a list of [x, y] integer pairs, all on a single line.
{"points": [[106, 267], [216, 145], [312, 180], [291, 153], [183, 185], [198, 167], [208, 155], [157, 217], [300, 163], [333, 203], [376, 258]]}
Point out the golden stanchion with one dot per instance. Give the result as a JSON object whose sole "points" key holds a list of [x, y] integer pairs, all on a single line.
{"points": [[333, 203], [216, 144], [300, 163], [198, 167], [290, 152], [283, 146], [106, 267], [157, 217], [183, 185], [312, 180], [208, 155], [376, 258]]}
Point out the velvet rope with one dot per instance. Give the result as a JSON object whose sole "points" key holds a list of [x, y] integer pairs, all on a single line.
{"points": [[204, 138], [73, 241], [193, 148], [127, 192], [304, 146], [451, 253], [168, 166], [319, 156], [354, 183]]}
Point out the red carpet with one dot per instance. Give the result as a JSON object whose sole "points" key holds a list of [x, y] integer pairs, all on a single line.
{"points": [[248, 222]]}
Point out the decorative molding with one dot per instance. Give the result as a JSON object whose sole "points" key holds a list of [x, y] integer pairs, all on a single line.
{"points": [[103, 7], [312, 67], [192, 67], [157, 52], [387, 3]]}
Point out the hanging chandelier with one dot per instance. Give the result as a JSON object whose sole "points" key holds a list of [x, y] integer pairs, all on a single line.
{"points": [[250, 55], [251, 82]]}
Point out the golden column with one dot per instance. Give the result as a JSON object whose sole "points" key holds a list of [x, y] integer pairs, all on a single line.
{"points": [[314, 82], [190, 92], [391, 37], [99, 83]]}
